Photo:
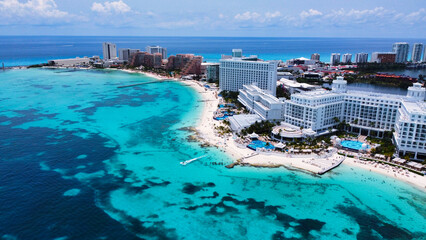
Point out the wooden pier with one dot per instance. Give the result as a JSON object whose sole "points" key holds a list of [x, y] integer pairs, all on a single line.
{"points": [[331, 167]]}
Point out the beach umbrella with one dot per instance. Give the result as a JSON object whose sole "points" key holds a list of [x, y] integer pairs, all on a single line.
{"points": [[253, 135]]}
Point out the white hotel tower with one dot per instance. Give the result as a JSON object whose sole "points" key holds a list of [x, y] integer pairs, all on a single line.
{"points": [[416, 55], [236, 72], [109, 51], [366, 113], [401, 50], [410, 127]]}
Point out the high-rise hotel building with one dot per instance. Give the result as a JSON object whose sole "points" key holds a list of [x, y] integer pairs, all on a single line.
{"points": [[410, 127], [366, 113], [109, 51], [361, 57], [347, 58], [238, 71], [315, 56], [383, 57], [335, 59], [401, 51], [126, 54], [416, 55], [424, 55], [157, 49]]}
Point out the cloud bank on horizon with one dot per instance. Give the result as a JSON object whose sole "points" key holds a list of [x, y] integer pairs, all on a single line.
{"points": [[333, 18]]}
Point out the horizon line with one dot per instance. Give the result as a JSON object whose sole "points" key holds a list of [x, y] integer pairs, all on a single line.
{"points": [[170, 36]]}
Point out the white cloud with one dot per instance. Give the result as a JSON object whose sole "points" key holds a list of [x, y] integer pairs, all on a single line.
{"points": [[270, 15], [310, 13], [151, 14], [247, 16], [31, 8], [257, 17], [414, 17], [377, 17], [111, 7], [365, 15]]}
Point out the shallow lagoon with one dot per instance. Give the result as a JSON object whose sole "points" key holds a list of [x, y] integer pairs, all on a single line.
{"points": [[64, 130]]}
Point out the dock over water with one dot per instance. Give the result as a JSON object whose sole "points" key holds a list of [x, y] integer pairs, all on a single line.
{"points": [[331, 167]]}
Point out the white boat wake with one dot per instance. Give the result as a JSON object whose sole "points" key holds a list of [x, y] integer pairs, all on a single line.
{"points": [[191, 160]]}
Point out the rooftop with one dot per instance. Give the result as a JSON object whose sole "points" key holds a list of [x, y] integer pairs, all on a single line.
{"points": [[415, 107], [243, 120], [209, 64], [245, 60], [319, 93], [295, 84], [376, 95]]}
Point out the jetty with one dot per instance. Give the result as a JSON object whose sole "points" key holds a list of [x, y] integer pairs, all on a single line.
{"points": [[240, 161], [150, 82], [331, 167], [191, 160]]}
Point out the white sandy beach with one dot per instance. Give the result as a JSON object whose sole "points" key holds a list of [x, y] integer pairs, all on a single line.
{"points": [[206, 131], [151, 75], [403, 175]]}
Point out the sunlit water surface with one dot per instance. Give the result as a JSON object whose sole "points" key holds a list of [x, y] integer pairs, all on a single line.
{"points": [[83, 159]]}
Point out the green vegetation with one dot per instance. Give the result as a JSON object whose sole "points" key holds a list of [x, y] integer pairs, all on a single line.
{"points": [[231, 97], [341, 125], [282, 92], [226, 122], [310, 81], [38, 65], [214, 81], [375, 67], [371, 78], [386, 146], [261, 128], [222, 130]]}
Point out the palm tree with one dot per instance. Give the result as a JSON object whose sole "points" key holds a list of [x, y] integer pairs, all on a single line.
{"points": [[336, 119]]}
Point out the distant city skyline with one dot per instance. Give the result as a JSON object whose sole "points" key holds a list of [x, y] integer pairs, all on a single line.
{"points": [[268, 18]]}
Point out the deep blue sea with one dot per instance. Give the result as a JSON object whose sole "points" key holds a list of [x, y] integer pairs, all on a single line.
{"points": [[26, 50]]}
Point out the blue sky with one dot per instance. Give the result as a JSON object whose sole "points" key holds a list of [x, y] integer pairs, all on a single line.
{"points": [[257, 18]]}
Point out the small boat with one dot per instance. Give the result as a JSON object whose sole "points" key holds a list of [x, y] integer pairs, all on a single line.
{"points": [[191, 160]]}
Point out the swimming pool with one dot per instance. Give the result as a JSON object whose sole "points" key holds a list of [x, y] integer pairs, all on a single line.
{"points": [[222, 118], [355, 145], [260, 144], [225, 115]]}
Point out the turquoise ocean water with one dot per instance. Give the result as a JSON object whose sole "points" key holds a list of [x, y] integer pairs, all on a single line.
{"points": [[82, 159], [27, 50]]}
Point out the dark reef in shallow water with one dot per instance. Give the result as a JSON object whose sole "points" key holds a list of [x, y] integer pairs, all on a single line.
{"points": [[190, 188], [301, 226], [370, 225]]}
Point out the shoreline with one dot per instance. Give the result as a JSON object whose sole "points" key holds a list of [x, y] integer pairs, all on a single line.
{"points": [[246, 157], [243, 156]]}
